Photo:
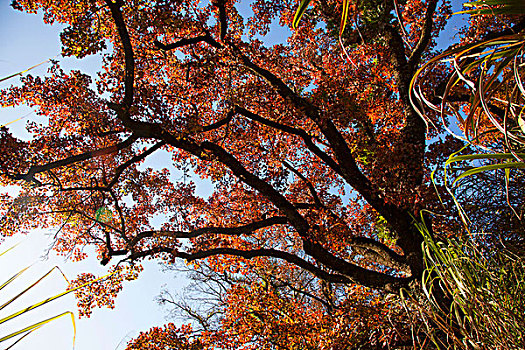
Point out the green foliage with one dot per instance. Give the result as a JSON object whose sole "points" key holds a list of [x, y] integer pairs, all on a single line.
{"points": [[300, 12], [486, 287], [508, 158], [495, 7], [372, 12], [103, 214], [383, 232], [27, 330], [473, 288], [490, 70], [304, 5], [369, 12]]}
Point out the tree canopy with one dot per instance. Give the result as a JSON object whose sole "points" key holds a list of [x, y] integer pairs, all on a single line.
{"points": [[319, 163]]}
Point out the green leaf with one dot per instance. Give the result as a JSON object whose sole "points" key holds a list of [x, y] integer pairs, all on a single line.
{"points": [[59, 295], [494, 7], [512, 165], [482, 156], [40, 324], [31, 286], [24, 71], [15, 276], [103, 214], [300, 12], [7, 250], [344, 16]]}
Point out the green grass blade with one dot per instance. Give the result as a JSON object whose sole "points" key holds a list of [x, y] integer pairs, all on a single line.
{"points": [[493, 11], [7, 250], [344, 16], [24, 71], [40, 324], [512, 165], [31, 286], [482, 156], [43, 302], [13, 278], [300, 12], [494, 7], [20, 339]]}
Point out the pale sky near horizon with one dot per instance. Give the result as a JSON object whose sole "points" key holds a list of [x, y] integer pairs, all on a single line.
{"points": [[25, 41]]}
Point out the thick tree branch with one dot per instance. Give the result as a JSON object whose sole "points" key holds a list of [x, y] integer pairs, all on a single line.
{"points": [[356, 274], [347, 166], [351, 271], [29, 176], [399, 219], [277, 84], [247, 229], [121, 216], [190, 41], [129, 59], [424, 39], [382, 253], [249, 254], [221, 122], [346, 163], [262, 186], [308, 140], [308, 183], [223, 19]]}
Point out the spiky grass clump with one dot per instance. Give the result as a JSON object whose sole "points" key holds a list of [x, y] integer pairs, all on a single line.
{"points": [[485, 287]]}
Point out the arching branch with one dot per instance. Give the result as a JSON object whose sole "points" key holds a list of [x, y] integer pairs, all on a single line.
{"points": [[29, 176]]}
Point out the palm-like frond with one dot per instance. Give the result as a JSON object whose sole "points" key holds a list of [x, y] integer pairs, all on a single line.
{"points": [[484, 95]]}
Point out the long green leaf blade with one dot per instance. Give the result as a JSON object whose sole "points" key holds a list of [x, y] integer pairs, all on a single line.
{"points": [[300, 12], [482, 156], [38, 325], [43, 302], [9, 249], [31, 286], [344, 16], [513, 165], [24, 71], [15, 276]]}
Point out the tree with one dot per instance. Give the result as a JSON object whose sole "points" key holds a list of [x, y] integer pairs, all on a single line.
{"points": [[283, 309], [317, 158]]}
